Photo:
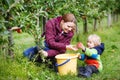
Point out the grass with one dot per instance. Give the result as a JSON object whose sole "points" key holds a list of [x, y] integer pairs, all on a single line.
{"points": [[20, 68]]}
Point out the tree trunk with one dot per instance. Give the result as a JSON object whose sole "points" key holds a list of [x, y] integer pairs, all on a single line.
{"points": [[10, 44], [95, 24], [109, 22], [44, 22], [85, 25], [117, 16], [10, 38], [113, 17], [99, 23]]}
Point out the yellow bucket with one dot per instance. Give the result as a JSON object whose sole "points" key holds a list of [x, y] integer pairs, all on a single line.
{"points": [[67, 63]]}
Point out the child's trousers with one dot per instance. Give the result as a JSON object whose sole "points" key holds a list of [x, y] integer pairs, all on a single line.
{"points": [[87, 71]]}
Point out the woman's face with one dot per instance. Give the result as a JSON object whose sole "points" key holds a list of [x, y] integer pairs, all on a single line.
{"points": [[67, 26]]}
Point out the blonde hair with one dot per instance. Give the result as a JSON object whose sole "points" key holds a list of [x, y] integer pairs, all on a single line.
{"points": [[95, 39]]}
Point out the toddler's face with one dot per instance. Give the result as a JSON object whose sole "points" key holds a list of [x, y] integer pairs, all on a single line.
{"points": [[90, 44]]}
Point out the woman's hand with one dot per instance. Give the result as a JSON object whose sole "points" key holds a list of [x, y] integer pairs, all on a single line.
{"points": [[44, 53], [71, 47]]}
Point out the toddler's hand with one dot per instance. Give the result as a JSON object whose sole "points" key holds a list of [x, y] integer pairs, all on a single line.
{"points": [[79, 45]]}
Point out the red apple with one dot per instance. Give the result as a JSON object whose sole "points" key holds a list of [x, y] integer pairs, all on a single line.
{"points": [[79, 44], [19, 30]]}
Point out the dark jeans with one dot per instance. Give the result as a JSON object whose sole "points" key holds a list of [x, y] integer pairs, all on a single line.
{"points": [[32, 54], [32, 51], [87, 71]]}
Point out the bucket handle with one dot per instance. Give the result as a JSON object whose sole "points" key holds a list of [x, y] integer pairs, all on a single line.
{"points": [[62, 63]]}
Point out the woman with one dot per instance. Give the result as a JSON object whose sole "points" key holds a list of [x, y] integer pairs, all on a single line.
{"points": [[58, 34]]}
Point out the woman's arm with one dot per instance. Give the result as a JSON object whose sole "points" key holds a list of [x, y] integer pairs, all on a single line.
{"points": [[50, 35]]}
